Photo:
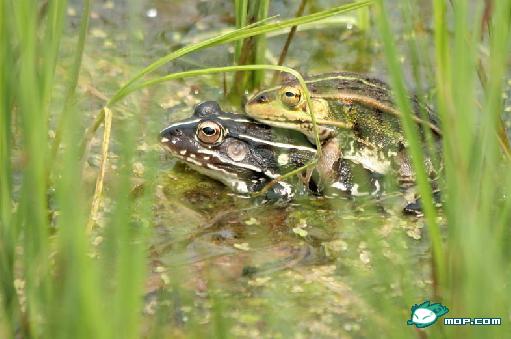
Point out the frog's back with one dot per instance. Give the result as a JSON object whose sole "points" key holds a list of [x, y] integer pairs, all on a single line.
{"points": [[365, 101], [344, 84]]}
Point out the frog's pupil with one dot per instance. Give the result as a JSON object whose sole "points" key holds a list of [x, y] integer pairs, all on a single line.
{"points": [[290, 94], [208, 131]]}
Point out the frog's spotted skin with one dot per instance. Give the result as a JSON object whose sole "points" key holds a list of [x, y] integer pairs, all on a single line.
{"points": [[362, 104], [357, 100], [356, 113]]}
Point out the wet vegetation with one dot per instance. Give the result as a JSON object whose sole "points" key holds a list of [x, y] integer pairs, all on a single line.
{"points": [[103, 235]]}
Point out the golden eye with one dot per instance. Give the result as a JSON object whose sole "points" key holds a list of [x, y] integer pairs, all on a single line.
{"points": [[290, 96], [209, 132]]}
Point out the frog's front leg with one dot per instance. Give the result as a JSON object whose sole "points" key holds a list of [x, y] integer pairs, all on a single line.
{"points": [[415, 207], [328, 163], [279, 193], [339, 174], [408, 184]]}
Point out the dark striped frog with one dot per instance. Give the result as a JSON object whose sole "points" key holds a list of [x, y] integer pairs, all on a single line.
{"points": [[240, 152]]}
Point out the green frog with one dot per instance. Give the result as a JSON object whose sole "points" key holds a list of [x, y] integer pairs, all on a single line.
{"points": [[247, 155], [357, 120]]}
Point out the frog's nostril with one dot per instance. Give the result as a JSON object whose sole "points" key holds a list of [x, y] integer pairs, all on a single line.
{"points": [[177, 132], [262, 98]]}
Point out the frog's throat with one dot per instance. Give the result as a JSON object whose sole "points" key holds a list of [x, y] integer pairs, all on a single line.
{"points": [[229, 179], [232, 179]]}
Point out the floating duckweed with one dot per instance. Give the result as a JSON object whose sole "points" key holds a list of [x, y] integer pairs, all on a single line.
{"points": [[151, 13], [159, 269], [98, 33], [300, 231], [414, 233], [252, 221], [259, 281], [365, 257], [297, 289], [109, 5], [138, 169], [165, 278], [97, 240], [71, 11], [242, 246]]}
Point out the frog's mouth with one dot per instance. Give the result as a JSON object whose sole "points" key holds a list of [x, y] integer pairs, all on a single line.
{"points": [[286, 124]]}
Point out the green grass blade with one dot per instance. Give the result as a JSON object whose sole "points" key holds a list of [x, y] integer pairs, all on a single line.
{"points": [[8, 296], [241, 8], [260, 44], [74, 74], [411, 133], [33, 201]]}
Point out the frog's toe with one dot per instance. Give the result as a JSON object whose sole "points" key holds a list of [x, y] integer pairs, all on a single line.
{"points": [[415, 208]]}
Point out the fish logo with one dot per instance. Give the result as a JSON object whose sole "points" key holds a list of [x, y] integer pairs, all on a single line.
{"points": [[426, 314]]}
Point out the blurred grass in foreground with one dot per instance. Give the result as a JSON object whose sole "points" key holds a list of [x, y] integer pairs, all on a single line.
{"points": [[54, 283], [472, 266]]}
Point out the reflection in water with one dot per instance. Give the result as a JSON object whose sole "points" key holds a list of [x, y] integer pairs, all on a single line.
{"points": [[249, 253]]}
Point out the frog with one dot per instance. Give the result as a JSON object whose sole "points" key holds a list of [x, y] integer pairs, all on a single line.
{"points": [[356, 120], [247, 155], [236, 150]]}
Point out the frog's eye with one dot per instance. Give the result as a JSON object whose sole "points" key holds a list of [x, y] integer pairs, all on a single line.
{"points": [[290, 96], [209, 132]]}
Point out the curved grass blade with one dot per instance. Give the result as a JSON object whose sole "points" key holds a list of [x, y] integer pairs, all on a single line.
{"points": [[96, 199], [73, 80], [241, 7]]}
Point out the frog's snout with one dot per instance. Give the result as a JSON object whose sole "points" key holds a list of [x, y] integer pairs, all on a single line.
{"points": [[170, 135]]}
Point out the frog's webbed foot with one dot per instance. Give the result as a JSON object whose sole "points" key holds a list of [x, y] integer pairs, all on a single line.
{"points": [[309, 182], [279, 193], [415, 207]]}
